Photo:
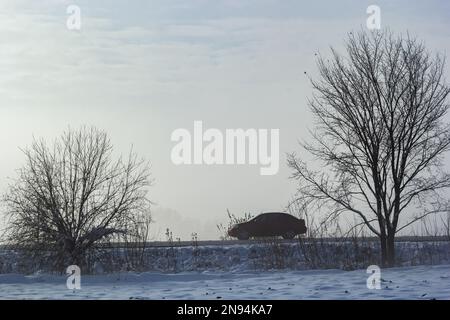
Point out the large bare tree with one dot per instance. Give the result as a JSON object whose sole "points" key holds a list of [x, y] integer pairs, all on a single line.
{"points": [[72, 194], [381, 135]]}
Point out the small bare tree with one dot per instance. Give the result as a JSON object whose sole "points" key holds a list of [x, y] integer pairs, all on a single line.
{"points": [[380, 135], [73, 194]]}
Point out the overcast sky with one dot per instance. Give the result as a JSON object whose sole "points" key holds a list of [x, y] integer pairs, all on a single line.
{"points": [[141, 69]]}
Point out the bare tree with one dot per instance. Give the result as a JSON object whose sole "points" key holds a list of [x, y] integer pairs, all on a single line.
{"points": [[73, 194], [445, 221], [380, 135]]}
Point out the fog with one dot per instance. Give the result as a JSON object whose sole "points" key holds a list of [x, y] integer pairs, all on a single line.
{"points": [[140, 70]]}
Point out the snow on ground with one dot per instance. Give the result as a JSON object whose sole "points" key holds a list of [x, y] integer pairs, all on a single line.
{"points": [[242, 272], [420, 282]]}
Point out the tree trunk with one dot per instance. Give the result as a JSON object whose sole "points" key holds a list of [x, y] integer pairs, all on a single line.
{"points": [[387, 245], [383, 245], [390, 259]]}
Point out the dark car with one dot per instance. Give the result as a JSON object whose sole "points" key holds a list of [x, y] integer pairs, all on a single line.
{"points": [[269, 224]]}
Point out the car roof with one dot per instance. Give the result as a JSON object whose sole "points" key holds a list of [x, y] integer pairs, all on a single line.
{"points": [[275, 213]]}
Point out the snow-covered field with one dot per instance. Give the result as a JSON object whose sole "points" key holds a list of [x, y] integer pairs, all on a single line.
{"points": [[250, 271], [420, 282]]}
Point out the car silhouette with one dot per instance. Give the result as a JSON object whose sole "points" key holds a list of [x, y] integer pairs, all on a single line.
{"points": [[270, 224]]}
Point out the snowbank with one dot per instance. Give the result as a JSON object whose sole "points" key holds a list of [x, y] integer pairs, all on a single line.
{"points": [[260, 256]]}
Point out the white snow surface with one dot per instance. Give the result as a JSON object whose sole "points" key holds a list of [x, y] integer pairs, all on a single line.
{"points": [[418, 282]]}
